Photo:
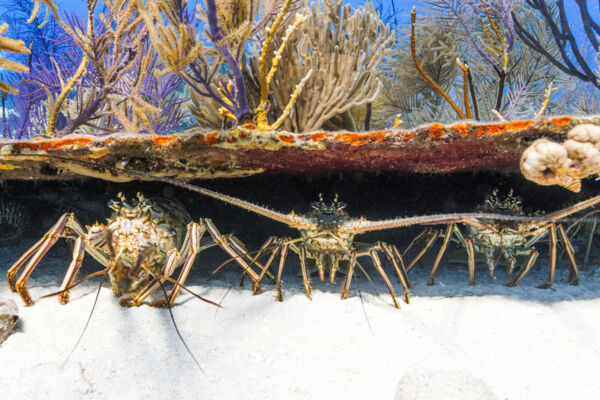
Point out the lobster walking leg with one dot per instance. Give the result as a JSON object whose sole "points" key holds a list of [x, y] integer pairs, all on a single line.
{"points": [[574, 273], [588, 246], [388, 251], [471, 255], [36, 252], [348, 280], [377, 263], [259, 253], [430, 242], [225, 244], [78, 253], [533, 254], [431, 279], [550, 281], [305, 274], [403, 270], [264, 271], [192, 244], [279, 287]]}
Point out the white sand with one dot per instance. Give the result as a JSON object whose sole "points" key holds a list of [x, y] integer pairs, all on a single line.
{"points": [[491, 341]]}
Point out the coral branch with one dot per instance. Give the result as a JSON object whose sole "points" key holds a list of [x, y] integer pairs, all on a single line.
{"points": [[465, 69], [413, 17], [50, 7], [13, 46]]}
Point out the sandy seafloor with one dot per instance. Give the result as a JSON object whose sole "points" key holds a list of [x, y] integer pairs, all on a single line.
{"points": [[452, 341]]}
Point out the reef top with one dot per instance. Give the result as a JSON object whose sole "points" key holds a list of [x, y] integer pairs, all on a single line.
{"points": [[244, 151]]}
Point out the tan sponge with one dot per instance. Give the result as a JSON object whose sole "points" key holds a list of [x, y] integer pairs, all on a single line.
{"points": [[565, 164]]}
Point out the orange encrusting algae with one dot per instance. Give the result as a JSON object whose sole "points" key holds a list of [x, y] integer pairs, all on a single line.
{"points": [[562, 121], [502, 128], [436, 131], [317, 137], [211, 138], [287, 138], [53, 144], [358, 139], [163, 140]]}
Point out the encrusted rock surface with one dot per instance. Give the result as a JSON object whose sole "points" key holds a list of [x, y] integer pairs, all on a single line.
{"points": [[434, 148], [9, 314]]}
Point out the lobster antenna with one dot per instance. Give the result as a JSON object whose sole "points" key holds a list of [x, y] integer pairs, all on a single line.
{"points": [[287, 219], [362, 303], [73, 285], [175, 326], [89, 318]]}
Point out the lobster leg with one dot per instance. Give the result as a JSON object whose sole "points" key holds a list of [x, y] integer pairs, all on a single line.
{"points": [[550, 281], [377, 263], [36, 252], [415, 240], [334, 267], [194, 236], [259, 253], [388, 251], [359, 265], [305, 274], [279, 287], [225, 243], [320, 264], [147, 286], [348, 280], [510, 264], [489, 259], [256, 285], [423, 250], [403, 270], [574, 274], [237, 245], [471, 256], [533, 254], [449, 229], [588, 245], [78, 253]]}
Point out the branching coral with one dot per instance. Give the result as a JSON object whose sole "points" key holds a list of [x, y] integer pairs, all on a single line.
{"points": [[50, 7], [183, 54], [505, 78], [571, 59], [406, 92], [344, 49], [14, 46], [413, 50], [564, 164], [111, 74], [265, 78]]}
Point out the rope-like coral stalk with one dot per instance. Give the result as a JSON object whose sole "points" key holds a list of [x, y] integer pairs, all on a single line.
{"points": [[55, 109], [266, 79], [288, 108], [413, 50], [547, 96], [264, 54], [465, 70]]}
